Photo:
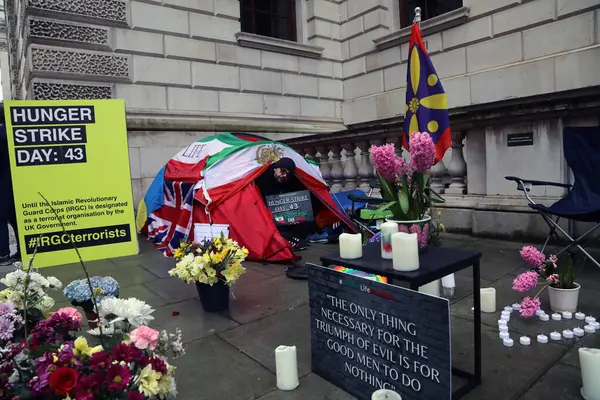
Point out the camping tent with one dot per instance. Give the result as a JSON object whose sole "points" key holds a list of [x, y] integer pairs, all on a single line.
{"points": [[210, 181]]}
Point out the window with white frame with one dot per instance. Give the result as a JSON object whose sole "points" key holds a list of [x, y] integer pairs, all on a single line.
{"points": [[429, 9]]}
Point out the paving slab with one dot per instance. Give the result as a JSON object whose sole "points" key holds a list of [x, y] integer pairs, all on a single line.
{"points": [[214, 369], [267, 297], [173, 289], [560, 382], [141, 292], [572, 356], [267, 269], [312, 387], [506, 371], [289, 328], [193, 321]]}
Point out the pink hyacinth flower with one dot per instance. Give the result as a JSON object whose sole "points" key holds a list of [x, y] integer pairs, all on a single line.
{"points": [[144, 337], [525, 282], [553, 279], [422, 152], [529, 306], [532, 256], [385, 161]]}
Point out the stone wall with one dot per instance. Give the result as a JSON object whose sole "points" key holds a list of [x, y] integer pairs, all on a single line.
{"points": [[489, 51]]}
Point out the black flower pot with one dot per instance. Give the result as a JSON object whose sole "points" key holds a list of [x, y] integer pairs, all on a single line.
{"points": [[214, 298]]}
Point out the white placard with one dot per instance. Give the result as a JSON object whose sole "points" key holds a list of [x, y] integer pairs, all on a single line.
{"points": [[209, 231]]}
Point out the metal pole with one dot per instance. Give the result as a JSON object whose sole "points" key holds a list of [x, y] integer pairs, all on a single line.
{"points": [[417, 18]]}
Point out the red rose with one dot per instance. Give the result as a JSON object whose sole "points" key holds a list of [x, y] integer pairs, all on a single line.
{"points": [[63, 380]]}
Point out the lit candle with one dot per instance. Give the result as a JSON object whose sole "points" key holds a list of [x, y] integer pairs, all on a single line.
{"points": [[544, 317], [555, 336], [567, 334], [508, 342], [525, 341], [405, 249], [589, 329], [488, 300], [385, 394], [556, 317], [387, 230], [542, 339], [567, 315], [504, 335], [580, 316], [350, 246], [589, 359], [286, 365], [432, 288], [578, 332]]}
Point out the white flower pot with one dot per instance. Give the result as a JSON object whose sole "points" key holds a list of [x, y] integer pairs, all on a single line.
{"points": [[564, 299]]}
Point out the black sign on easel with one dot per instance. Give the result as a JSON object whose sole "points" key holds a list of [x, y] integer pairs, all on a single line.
{"points": [[367, 335], [291, 208]]}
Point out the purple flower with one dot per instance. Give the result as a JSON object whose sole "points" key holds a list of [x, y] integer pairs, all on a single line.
{"points": [[422, 152], [387, 164], [529, 306], [525, 281], [6, 308], [7, 327], [532, 256]]}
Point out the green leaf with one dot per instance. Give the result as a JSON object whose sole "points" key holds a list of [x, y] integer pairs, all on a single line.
{"points": [[434, 193], [386, 206], [425, 179], [387, 189], [403, 199]]}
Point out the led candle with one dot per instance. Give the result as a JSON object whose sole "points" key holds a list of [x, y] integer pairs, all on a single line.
{"points": [[385, 394], [508, 309], [503, 328], [567, 334], [516, 306], [387, 230], [350, 246], [544, 317], [525, 341], [556, 317], [405, 249], [567, 315], [589, 359], [488, 300], [504, 335], [286, 367], [542, 339], [505, 314], [508, 342], [539, 312], [501, 322], [580, 316], [505, 318], [595, 324], [589, 329], [589, 319], [578, 332], [555, 336]]}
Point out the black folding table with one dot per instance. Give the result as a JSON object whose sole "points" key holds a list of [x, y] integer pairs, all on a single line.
{"points": [[434, 264]]}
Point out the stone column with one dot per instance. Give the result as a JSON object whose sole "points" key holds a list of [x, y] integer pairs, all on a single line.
{"points": [[458, 166], [337, 170], [350, 169], [365, 169], [324, 165], [437, 177]]}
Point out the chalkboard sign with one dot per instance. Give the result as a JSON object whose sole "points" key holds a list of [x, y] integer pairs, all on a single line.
{"points": [[519, 139], [368, 335], [291, 208]]}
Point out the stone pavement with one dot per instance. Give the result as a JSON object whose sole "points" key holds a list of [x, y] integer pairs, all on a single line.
{"points": [[231, 355]]}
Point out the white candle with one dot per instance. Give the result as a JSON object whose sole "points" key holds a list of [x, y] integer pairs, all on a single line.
{"points": [[580, 316], [589, 329], [503, 328], [488, 300], [589, 320], [578, 332], [539, 312], [505, 314], [405, 248], [448, 281], [501, 322], [567, 315], [542, 339], [555, 336], [350, 246], [567, 334], [508, 342], [545, 317], [508, 309], [286, 365], [387, 230], [595, 324], [516, 306], [556, 317], [525, 341], [385, 394], [504, 335], [589, 359], [432, 288], [505, 318]]}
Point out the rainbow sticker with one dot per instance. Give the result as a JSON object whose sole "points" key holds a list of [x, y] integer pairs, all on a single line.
{"points": [[354, 272]]}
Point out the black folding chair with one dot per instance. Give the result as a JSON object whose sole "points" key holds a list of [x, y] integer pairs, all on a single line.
{"points": [[582, 201]]}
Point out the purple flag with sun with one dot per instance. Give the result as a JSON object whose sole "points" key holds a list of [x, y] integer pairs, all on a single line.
{"points": [[426, 102]]}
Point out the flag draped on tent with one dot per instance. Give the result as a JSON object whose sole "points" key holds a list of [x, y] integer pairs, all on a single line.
{"points": [[426, 101]]}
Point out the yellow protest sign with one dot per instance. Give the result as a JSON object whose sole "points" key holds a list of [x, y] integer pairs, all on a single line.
{"points": [[75, 154]]}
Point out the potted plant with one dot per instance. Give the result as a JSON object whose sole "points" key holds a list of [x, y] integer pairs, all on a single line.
{"points": [[554, 273], [79, 294], [213, 265], [405, 186]]}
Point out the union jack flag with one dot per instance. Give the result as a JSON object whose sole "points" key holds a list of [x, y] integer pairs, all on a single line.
{"points": [[172, 223]]}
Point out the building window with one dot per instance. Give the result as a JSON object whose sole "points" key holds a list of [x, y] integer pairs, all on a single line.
{"points": [[429, 9], [273, 18]]}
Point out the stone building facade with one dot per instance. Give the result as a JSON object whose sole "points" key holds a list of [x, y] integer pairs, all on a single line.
{"points": [[329, 77]]}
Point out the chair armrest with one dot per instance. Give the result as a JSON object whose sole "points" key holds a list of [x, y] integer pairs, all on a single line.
{"points": [[365, 199], [520, 183]]}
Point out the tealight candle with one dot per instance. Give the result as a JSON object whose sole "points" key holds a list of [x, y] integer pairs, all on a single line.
{"points": [[580, 316], [286, 367], [508, 309], [596, 325], [505, 318], [589, 329], [508, 342], [556, 317], [505, 313], [589, 319], [525, 341], [516, 306], [555, 336], [544, 317], [567, 334], [539, 312], [501, 322], [567, 315], [578, 332], [350, 246], [405, 251], [503, 335], [503, 328], [387, 230], [542, 339]]}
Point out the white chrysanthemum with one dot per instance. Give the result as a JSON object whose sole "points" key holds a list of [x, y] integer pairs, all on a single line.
{"points": [[45, 304], [54, 282], [107, 330], [132, 310], [12, 279]]}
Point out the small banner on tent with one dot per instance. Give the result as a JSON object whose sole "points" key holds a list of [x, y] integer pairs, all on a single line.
{"points": [[75, 154]]}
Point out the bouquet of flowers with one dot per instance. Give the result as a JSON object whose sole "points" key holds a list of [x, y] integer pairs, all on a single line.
{"points": [[210, 261], [30, 286], [405, 185], [546, 272], [79, 294]]}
